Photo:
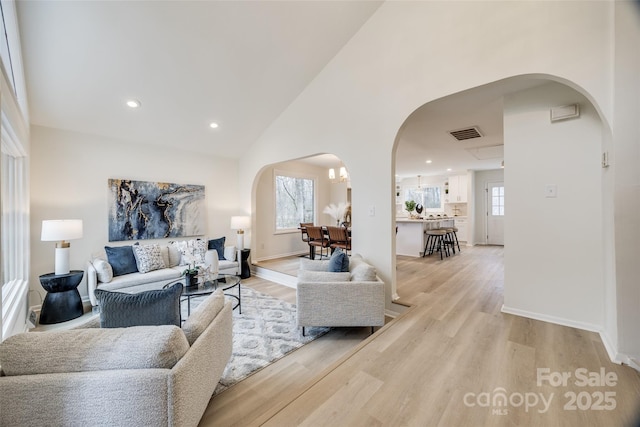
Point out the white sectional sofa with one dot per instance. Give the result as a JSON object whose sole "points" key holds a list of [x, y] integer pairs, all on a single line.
{"points": [[98, 276]]}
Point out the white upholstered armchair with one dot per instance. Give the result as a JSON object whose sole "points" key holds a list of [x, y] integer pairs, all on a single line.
{"points": [[354, 298]]}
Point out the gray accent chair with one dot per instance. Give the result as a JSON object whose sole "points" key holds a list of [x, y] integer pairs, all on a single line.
{"points": [[354, 298]]}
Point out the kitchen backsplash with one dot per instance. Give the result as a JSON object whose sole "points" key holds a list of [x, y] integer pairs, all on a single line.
{"points": [[452, 209]]}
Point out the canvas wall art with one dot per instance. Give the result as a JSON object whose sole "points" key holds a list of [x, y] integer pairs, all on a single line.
{"points": [[141, 210]]}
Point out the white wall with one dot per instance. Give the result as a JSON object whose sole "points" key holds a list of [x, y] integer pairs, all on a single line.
{"points": [[553, 246], [268, 244], [626, 157], [69, 173], [481, 179], [407, 54]]}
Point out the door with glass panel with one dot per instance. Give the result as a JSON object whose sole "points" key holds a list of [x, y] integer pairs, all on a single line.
{"points": [[495, 213]]}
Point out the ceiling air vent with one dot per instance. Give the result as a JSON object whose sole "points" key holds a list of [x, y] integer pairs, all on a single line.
{"points": [[466, 133]]}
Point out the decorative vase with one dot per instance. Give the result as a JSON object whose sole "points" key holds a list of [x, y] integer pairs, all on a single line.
{"points": [[191, 280]]}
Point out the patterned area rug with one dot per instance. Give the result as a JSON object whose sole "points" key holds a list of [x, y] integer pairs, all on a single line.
{"points": [[264, 332]]}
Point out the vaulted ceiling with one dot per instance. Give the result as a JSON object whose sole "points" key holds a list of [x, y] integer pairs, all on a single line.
{"points": [[236, 63], [189, 63]]}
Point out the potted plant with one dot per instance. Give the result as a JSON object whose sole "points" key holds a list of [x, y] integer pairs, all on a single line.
{"points": [[410, 205], [191, 275]]}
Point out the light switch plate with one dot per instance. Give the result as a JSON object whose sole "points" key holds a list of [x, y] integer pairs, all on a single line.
{"points": [[372, 211]]}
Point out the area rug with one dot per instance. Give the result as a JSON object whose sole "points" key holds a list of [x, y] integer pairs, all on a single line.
{"points": [[265, 332]]}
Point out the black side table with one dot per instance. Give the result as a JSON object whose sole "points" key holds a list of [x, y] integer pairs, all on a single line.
{"points": [[63, 300], [245, 271]]}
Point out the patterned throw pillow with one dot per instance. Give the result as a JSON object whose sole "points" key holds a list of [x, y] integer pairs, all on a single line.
{"points": [[148, 257], [191, 251]]}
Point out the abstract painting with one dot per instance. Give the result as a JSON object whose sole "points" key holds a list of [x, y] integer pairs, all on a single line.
{"points": [[140, 210]]}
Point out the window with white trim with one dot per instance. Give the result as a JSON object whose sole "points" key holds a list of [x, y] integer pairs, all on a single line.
{"points": [[295, 200], [497, 201]]}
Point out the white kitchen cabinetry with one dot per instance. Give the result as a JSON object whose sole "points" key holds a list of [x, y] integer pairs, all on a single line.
{"points": [[461, 224], [457, 189]]}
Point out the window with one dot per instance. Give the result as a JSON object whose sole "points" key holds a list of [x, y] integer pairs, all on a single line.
{"points": [[295, 200], [497, 201], [428, 196]]}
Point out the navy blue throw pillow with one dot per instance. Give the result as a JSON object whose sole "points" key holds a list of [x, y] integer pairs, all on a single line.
{"points": [[339, 262], [121, 259], [157, 307], [218, 245]]}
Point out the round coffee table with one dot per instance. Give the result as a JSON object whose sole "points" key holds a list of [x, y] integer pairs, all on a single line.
{"points": [[224, 282]]}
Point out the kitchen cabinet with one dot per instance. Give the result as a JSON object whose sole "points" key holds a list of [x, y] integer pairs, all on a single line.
{"points": [[461, 223], [457, 189]]}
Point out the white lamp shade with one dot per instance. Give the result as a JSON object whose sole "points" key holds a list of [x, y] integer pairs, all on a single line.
{"points": [[57, 230], [240, 222]]}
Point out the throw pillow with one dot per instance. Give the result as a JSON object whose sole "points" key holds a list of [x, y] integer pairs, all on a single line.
{"points": [[191, 251], [121, 259], [199, 249], [305, 276], [157, 307], [218, 245], [339, 261], [164, 251], [363, 272], [202, 316], [148, 258], [103, 270], [174, 255]]}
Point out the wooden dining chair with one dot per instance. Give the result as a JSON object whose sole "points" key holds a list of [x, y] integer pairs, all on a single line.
{"points": [[317, 239], [339, 238], [303, 230]]}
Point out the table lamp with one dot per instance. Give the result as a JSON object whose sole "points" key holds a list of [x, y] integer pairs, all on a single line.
{"points": [[61, 230], [240, 223]]}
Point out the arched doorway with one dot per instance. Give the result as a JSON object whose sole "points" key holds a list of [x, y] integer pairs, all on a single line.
{"points": [[276, 237], [554, 246]]}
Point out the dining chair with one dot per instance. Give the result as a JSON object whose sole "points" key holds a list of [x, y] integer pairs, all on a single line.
{"points": [[317, 239], [303, 230], [339, 238]]}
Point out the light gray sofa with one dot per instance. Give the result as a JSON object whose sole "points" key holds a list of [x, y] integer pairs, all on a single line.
{"points": [[137, 376], [354, 298], [156, 279]]}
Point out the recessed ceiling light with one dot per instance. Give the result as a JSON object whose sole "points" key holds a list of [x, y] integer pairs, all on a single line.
{"points": [[449, 169], [213, 125], [428, 161], [133, 103]]}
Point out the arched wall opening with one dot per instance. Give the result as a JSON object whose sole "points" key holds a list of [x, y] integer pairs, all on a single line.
{"points": [[558, 250], [268, 242]]}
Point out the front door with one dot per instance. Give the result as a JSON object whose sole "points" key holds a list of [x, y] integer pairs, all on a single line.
{"points": [[495, 213]]}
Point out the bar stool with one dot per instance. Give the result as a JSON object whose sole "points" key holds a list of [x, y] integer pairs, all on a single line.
{"points": [[454, 233], [451, 238], [436, 238]]}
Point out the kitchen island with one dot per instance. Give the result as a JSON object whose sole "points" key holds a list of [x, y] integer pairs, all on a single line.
{"points": [[410, 239]]}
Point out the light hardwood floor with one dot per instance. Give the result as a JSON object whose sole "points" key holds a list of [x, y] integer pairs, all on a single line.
{"points": [[437, 364]]}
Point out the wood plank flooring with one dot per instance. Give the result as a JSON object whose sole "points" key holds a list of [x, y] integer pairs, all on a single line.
{"points": [[447, 361]]}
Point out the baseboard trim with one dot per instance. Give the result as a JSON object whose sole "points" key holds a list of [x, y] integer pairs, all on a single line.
{"points": [[551, 319], [270, 257], [612, 352], [275, 276]]}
